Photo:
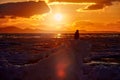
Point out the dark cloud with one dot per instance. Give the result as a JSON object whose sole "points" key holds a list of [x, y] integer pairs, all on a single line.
{"points": [[95, 7], [23, 9], [73, 1], [77, 1], [99, 3]]}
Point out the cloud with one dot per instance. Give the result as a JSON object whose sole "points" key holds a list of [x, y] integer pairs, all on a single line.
{"points": [[77, 1], [23, 9], [94, 26], [100, 4], [83, 23], [95, 7]]}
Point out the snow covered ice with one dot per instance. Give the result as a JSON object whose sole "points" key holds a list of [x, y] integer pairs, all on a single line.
{"points": [[55, 59]]}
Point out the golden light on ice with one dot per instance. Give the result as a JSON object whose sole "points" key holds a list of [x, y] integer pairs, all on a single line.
{"points": [[58, 16]]}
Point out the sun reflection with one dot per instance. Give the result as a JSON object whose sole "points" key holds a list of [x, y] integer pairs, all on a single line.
{"points": [[58, 35]]}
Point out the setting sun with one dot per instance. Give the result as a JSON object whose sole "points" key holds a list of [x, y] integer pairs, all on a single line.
{"points": [[58, 16]]}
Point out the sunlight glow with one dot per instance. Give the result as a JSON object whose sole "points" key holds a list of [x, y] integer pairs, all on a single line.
{"points": [[37, 0], [58, 17], [58, 35]]}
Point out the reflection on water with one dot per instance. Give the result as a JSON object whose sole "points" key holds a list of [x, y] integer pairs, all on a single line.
{"points": [[58, 35]]}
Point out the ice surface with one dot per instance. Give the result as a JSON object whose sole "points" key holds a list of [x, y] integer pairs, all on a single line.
{"points": [[54, 59]]}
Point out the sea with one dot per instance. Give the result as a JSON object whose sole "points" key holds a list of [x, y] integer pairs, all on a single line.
{"points": [[57, 56]]}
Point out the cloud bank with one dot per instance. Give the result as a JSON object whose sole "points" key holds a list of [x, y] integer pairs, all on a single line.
{"points": [[23, 9], [100, 4], [93, 26]]}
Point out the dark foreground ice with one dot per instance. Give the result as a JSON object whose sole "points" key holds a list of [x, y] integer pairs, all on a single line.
{"points": [[55, 60]]}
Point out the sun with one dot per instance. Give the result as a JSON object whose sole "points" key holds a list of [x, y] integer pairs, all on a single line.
{"points": [[58, 16]]}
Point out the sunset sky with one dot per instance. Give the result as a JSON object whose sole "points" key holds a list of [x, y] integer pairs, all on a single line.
{"points": [[64, 15]]}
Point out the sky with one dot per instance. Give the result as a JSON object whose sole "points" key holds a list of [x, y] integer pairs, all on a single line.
{"points": [[61, 15]]}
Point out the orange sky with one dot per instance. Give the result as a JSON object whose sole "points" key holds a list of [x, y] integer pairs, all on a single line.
{"points": [[73, 16]]}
